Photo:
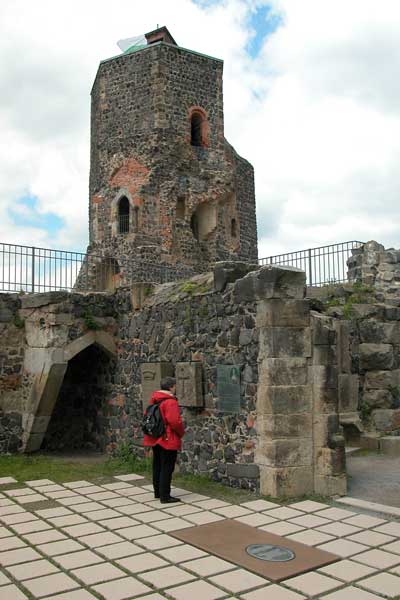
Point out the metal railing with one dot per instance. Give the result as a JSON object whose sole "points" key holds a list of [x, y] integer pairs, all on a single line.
{"points": [[323, 265], [30, 270]]}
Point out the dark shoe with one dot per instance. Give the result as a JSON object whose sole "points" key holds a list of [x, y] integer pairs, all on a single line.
{"points": [[156, 495], [170, 500]]}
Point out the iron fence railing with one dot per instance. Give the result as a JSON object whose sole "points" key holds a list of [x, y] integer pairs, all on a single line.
{"points": [[323, 265], [29, 269]]}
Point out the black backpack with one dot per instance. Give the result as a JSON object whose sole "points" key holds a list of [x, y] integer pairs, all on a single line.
{"points": [[153, 424]]}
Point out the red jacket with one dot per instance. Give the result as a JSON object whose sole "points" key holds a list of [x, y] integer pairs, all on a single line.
{"points": [[171, 440]]}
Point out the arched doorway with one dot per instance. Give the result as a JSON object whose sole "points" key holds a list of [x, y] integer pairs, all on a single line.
{"points": [[77, 421]]}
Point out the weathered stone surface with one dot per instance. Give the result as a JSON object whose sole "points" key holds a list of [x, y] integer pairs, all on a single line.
{"points": [[378, 398], [285, 426], [286, 482], [281, 342], [323, 332], [382, 418], [243, 470], [375, 332], [283, 313], [228, 272], [348, 393], [390, 445], [189, 383], [382, 379], [324, 376], [375, 357], [294, 452], [284, 399], [271, 282], [43, 299], [284, 371]]}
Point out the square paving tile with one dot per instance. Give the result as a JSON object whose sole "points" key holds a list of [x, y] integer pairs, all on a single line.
{"points": [[272, 592], [153, 515], [309, 521], [31, 498], [37, 568], [58, 582], [77, 484], [256, 519], [259, 505], [343, 547], [121, 589], [137, 532], [335, 514], [98, 573], [11, 592], [7, 480], [21, 517], [67, 521], [238, 580], [72, 500], [134, 509], [352, 593], [347, 570], [382, 583], [90, 489], [10, 543], [4, 532], [166, 577], [88, 507], [282, 528], [62, 494], [14, 557], [45, 489], [83, 529], [173, 523], [142, 562], [371, 538], [311, 537], [30, 526], [309, 506], [129, 477], [100, 539], [116, 485], [182, 553], [393, 547], [56, 548], [284, 512], [364, 521], [20, 492], [10, 510], [211, 504], [49, 513], [84, 558], [4, 579], [75, 595], [6, 502], [152, 597], [43, 537], [391, 528], [209, 565], [116, 502], [203, 518], [39, 482], [157, 542], [183, 510], [119, 550], [230, 512], [134, 492], [103, 513], [378, 558], [338, 529], [312, 583], [103, 496], [118, 523], [197, 590]]}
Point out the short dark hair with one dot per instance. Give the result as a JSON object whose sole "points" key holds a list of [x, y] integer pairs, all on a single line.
{"points": [[167, 383]]}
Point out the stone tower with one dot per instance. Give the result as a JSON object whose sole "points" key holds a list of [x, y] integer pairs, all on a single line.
{"points": [[166, 188]]}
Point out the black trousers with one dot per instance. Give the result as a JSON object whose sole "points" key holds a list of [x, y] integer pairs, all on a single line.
{"points": [[163, 467]]}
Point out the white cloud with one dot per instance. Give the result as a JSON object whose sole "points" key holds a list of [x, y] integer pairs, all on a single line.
{"points": [[317, 112]]}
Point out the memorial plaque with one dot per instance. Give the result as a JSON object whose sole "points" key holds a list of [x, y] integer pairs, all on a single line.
{"points": [[152, 373], [270, 552], [228, 388], [189, 384]]}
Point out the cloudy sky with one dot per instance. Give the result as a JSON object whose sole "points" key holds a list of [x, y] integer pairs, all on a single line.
{"points": [[312, 99]]}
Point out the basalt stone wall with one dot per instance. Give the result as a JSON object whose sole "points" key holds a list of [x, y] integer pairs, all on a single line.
{"points": [[195, 204], [373, 265]]}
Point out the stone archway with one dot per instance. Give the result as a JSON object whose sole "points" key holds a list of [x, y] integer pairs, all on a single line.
{"points": [[48, 365]]}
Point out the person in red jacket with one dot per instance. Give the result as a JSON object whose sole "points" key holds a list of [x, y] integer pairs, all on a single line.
{"points": [[165, 448]]}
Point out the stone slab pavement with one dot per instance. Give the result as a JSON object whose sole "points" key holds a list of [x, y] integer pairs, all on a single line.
{"points": [[374, 477], [83, 541]]}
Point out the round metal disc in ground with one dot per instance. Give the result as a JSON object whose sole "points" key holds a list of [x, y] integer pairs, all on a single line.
{"points": [[270, 553]]}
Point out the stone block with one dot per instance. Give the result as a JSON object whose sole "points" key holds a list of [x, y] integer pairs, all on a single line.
{"points": [[283, 371], [289, 482], [282, 342], [283, 313], [324, 427], [324, 376], [36, 300], [152, 373], [330, 486], [369, 441], [324, 355], [374, 357], [270, 282], [228, 272], [348, 392], [283, 399], [139, 292], [243, 470], [367, 311], [382, 419], [390, 445], [343, 346], [381, 379], [326, 400], [285, 426], [323, 333], [189, 384], [378, 398], [285, 453], [375, 332], [330, 461]]}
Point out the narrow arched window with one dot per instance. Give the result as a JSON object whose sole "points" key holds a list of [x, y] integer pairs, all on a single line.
{"points": [[136, 218], [180, 208], [194, 226], [233, 228], [123, 215], [196, 126]]}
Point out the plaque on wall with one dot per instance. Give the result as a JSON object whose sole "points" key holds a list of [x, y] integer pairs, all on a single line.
{"points": [[228, 388], [189, 384], [152, 373]]}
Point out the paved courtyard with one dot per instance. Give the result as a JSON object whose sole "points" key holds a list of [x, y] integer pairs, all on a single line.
{"points": [[83, 540]]}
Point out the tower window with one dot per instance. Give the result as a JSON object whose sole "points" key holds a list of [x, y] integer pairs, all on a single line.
{"points": [[233, 228], [196, 125], [123, 215], [180, 208]]}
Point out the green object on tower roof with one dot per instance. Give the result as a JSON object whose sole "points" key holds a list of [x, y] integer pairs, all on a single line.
{"points": [[134, 49]]}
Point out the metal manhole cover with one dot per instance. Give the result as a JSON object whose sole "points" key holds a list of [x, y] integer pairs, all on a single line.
{"points": [[270, 552]]}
